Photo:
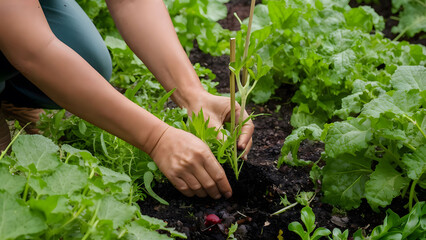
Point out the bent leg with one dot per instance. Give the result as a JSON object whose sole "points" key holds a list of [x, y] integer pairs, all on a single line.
{"points": [[71, 25]]}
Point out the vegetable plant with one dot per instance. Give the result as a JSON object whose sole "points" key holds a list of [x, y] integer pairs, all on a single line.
{"points": [[53, 192], [308, 219]]}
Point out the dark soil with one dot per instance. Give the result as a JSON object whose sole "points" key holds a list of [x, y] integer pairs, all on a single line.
{"points": [[257, 193]]}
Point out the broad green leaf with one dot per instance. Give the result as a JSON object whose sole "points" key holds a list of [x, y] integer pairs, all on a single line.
{"points": [[292, 142], [359, 18], [137, 231], [110, 176], [385, 184], [347, 137], [13, 184], [415, 163], [379, 106], [343, 61], [408, 101], [409, 77], [55, 208], [16, 218], [116, 211], [36, 150], [65, 180], [216, 11], [412, 19], [344, 180]]}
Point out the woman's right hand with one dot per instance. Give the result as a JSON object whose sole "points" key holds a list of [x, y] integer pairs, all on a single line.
{"points": [[189, 165]]}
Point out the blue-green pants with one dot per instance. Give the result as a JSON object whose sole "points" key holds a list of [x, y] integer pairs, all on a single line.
{"points": [[72, 26]]}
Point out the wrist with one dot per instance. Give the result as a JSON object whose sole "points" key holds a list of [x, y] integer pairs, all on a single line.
{"points": [[190, 96]]}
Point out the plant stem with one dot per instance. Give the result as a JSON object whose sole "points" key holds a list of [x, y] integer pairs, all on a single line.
{"points": [[284, 209], [412, 194], [232, 44], [246, 47], [416, 124], [11, 142], [26, 186]]}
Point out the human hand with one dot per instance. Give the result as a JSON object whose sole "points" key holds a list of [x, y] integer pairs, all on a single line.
{"points": [[218, 110], [189, 165]]}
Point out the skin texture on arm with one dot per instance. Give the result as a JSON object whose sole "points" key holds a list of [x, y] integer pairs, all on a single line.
{"points": [[29, 44]]}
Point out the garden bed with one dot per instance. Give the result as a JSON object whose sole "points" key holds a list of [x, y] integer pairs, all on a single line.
{"points": [[257, 193]]}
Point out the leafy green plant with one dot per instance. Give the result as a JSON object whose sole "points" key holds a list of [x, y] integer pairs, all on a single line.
{"points": [[411, 226], [240, 65], [308, 219], [302, 198], [412, 17], [53, 192], [197, 20]]}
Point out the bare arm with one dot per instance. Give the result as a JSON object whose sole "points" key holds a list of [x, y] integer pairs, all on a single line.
{"points": [[68, 79]]}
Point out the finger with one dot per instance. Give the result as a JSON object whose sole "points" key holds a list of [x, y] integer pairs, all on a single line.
{"points": [[182, 187], [208, 184], [194, 185], [218, 175], [247, 149], [246, 134]]}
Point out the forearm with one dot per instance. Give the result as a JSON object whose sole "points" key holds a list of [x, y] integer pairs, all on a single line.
{"points": [[73, 84], [147, 28], [68, 79]]}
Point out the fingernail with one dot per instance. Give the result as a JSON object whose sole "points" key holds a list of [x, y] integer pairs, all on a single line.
{"points": [[217, 196], [228, 194]]}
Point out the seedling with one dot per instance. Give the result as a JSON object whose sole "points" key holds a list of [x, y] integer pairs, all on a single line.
{"points": [[245, 86]]}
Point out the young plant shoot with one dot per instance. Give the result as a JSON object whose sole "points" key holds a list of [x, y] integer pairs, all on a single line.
{"points": [[244, 84]]}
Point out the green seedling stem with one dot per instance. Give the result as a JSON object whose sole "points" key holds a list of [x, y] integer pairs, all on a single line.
{"points": [[245, 72], [232, 47], [244, 89]]}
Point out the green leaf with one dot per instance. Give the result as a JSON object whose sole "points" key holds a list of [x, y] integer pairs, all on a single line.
{"points": [[114, 43], [308, 218], [344, 61], [385, 184], [359, 18], [36, 150], [110, 176], [347, 137], [409, 77], [137, 231], [13, 184], [148, 177], [391, 220], [155, 224], [415, 163], [320, 232], [292, 142], [17, 219], [66, 180], [344, 180], [298, 228], [118, 212], [55, 208], [412, 19]]}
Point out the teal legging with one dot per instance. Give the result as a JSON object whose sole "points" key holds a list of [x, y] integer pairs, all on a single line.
{"points": [[73, 27]]}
